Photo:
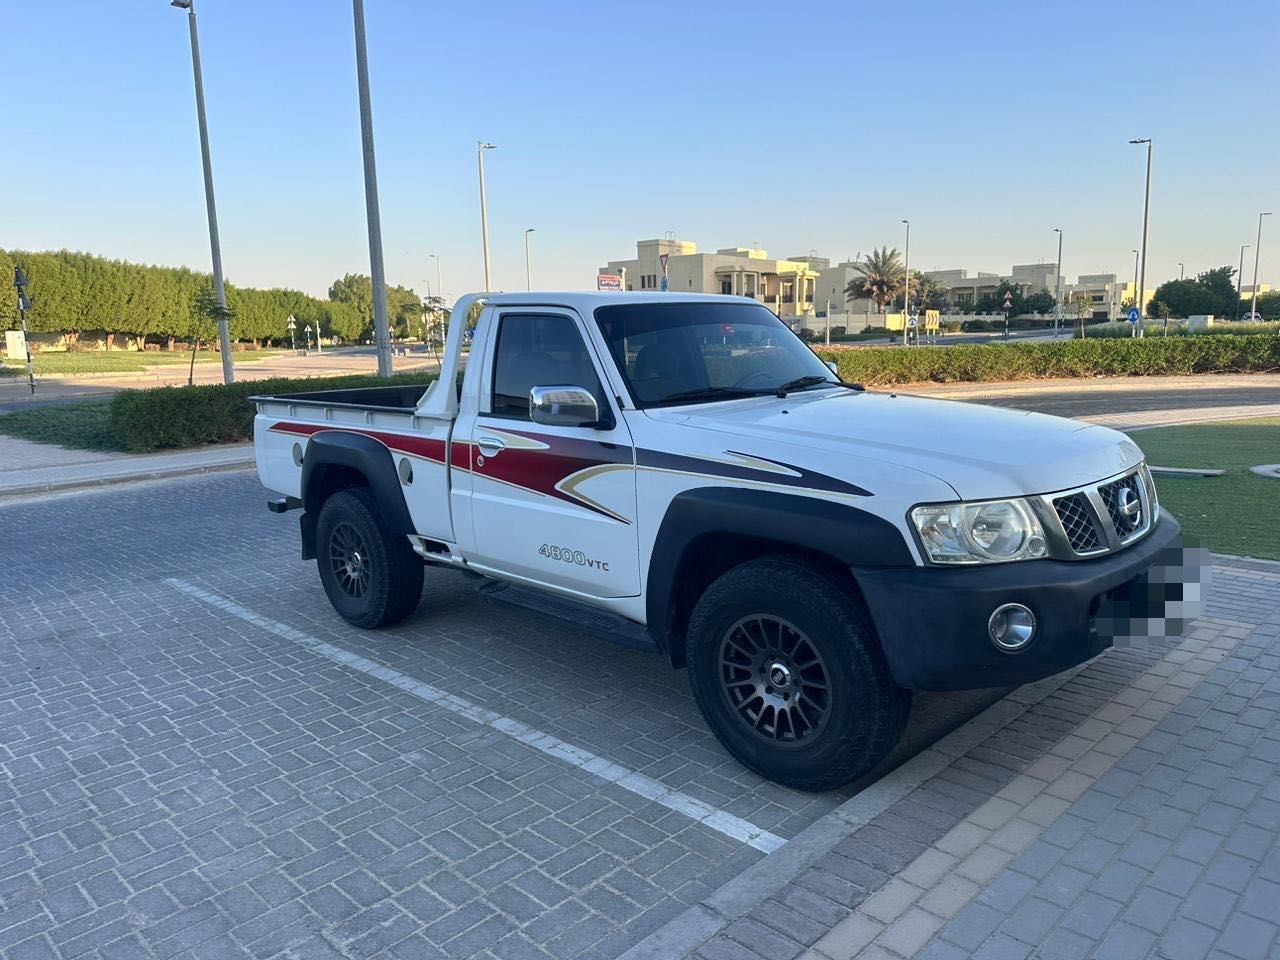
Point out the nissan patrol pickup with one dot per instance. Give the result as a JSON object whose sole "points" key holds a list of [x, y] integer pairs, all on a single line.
{"points": [[683, 473]]}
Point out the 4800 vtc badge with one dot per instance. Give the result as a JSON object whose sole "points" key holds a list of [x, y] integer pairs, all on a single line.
{"points": [[570, 555]]}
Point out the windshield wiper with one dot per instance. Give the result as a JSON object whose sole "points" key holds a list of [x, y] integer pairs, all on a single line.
{"points": [[713, 393], [799, 383]]}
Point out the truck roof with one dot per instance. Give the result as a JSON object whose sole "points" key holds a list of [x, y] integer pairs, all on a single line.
{"points": [[587, 300]]}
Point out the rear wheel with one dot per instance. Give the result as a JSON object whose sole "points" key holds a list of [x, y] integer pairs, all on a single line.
{"points": [[787, 671], [371, 576]]}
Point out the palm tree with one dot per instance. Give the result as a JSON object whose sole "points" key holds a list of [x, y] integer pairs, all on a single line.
{"points": [[880, 278]]}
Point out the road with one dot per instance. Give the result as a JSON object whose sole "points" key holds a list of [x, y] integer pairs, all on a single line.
{"points": [[200, 758]]}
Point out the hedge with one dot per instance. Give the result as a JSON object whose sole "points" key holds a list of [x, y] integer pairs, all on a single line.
{"points": [[165, 418], [1145, 357]]}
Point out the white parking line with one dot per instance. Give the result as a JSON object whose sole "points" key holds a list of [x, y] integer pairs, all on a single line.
{"points": [[713, 817]]}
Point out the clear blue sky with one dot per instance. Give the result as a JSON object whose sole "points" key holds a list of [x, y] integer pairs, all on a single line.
{"points": [[801, 126]]}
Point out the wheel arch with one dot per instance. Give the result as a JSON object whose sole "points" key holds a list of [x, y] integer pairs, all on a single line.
{"points": [[710, 530], [337, 460]]}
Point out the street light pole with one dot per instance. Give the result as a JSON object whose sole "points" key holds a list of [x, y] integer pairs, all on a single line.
{"points": [[219, 288], [1057, 289], [1135, 281], [1240, 272], [906, 283], [1146, 221], [1257, 250], [439, 282], [528, 267], [481, 147], [381, 326]]}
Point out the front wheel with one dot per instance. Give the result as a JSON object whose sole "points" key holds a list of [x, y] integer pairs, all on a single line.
{"points": [[371, 576], [787, 671]]}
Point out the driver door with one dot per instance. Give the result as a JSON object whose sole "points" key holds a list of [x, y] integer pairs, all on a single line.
{"points": [[554, 504]]}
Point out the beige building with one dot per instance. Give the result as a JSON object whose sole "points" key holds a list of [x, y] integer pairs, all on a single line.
{"points": [[964, 291], [788, 286]]}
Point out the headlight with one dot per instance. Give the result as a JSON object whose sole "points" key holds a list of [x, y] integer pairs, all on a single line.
{"points": [[996, 531]]}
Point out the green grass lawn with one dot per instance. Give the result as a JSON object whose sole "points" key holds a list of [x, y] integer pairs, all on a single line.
{"points": [[85, 425], [131, 361], [1238, 512]]}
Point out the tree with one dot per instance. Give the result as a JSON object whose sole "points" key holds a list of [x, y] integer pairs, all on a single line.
{"points": [[206, 316], [1221, 283], [1039, 303], [927, 292], [994, 302], [880, 277], [1184, 298]]}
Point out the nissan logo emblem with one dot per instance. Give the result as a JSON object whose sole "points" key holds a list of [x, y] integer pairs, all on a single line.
{"points": [[1130, 507]]}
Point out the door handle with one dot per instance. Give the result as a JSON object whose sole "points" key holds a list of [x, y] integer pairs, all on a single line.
{"points": [[490, 446]]}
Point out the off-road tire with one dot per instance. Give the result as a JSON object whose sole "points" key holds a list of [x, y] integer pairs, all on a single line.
{"points": [[865, 712], [386, 584]]}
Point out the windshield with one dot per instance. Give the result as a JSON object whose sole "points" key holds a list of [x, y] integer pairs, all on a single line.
{"points": [[694, 352]]}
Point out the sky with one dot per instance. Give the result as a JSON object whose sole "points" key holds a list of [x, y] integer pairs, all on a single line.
{"points": [[801, 127]]}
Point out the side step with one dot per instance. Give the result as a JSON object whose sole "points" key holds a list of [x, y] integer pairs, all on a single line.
{"points": [[599, 622]]}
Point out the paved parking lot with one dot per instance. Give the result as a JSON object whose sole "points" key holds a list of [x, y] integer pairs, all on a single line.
{"points": [[200, 759]]}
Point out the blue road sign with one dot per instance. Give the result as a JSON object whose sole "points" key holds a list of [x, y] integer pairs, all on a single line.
{"points": [[1134, 315]]}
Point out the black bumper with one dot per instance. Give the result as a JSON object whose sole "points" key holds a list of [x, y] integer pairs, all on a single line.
{"points": [[932, 621]]}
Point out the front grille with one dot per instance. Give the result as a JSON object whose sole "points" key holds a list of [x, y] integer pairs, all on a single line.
{"points": [[1123, 500], [1077, 522]]}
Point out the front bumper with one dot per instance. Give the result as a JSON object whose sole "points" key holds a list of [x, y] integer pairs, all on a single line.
{"points": [[932, 621]]}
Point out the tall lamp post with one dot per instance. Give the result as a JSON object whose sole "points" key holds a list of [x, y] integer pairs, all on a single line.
{"points": [[381, 326], [528, 263], [219, 289], [481, 147], [24, 304], [439, 282], [1146, 221], [1057, 288], [906, 283], [1240, 272], [1135, 282], [1257, 250]]}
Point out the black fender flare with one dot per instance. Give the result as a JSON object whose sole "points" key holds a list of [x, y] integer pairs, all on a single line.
{"points": [[850, 536], [366, 456]]}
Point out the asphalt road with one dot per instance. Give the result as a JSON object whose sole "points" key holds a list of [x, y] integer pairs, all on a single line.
{"points": [[198, 758], [1084, 398]]}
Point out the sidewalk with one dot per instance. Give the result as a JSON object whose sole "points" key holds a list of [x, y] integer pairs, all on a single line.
{"points": [[28, 468], [1130, 808]]}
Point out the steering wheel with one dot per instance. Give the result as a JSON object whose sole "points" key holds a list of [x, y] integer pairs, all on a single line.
{"points": [[743, 380]]}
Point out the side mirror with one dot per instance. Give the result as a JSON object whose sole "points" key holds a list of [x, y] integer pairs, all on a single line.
{"points": [[563, 406], [831, 365]]}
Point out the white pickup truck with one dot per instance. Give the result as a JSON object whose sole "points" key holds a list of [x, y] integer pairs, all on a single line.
{"points": [[682, 472]]}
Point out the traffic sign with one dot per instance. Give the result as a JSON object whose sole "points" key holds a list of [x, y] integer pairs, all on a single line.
{"points": [[911, 320], [1134, 315], [609, 281]]}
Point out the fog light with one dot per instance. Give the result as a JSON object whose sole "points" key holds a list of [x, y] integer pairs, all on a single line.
{"points": [[1012, 626]]}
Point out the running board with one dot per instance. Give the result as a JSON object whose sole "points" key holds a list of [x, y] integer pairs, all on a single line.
{"points": [[607, 625]]}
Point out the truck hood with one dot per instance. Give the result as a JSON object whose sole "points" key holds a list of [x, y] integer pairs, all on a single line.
{"points": [[981, 452]]}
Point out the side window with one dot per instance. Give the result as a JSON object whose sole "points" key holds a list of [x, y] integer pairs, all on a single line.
{"points": [[537, 351]]}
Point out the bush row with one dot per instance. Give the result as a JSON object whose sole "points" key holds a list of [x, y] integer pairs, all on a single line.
{"points": [[1149, 356], [1178, 328], [165, 418]]}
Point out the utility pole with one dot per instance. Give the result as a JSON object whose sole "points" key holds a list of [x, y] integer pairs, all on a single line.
{"points": [[1146, 222], [1057, 289], [1257, 250], [219, 289], [1240, 272], [381, 327], [528, 263], [481, 147]]}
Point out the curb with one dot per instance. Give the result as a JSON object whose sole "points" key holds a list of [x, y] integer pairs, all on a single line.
{"points": [[60, 486]]}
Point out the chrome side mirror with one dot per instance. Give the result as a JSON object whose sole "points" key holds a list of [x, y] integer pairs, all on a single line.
{"points": [[563, 406], [831, 365]]}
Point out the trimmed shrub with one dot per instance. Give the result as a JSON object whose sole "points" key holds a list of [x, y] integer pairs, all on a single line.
{"points": [[1146, 357], [164, 418]]}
